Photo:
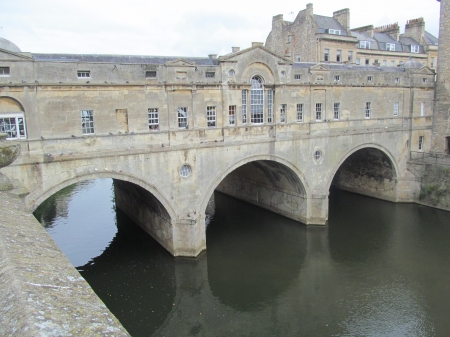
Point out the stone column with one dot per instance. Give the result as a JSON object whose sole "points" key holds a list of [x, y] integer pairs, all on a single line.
{"points": [[189, 235], [441, 118], [317, 209], [9, 151]]}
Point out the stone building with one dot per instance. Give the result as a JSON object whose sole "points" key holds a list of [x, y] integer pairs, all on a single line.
{"points": [[316, 38]]}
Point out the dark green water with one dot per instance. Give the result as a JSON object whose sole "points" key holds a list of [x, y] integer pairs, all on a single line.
{"points": [[377, 269]]}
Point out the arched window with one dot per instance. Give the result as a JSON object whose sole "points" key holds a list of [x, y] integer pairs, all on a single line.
{"points": [[257, 100]]}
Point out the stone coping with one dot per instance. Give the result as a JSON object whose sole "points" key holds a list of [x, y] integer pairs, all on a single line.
{"points": [[41, 293]]}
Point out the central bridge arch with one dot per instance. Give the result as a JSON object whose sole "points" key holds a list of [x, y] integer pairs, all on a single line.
{"points": [[270, 182]]}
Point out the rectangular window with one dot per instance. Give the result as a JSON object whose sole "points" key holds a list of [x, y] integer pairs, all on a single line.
{"points": [[297, 77], [84, 73], [350, 56], [326, 55], [283, 113], [424, 80], [339, 56], [210, 74], [369, 78], [153, 119], [376, 62], [421, 139], [392, 63], [182, 118], [397, 80], [13, 125], [297, 57], [270, 106], [211, 116], [422, 109], [299, 113], [318, 111], [364, 44], [432, 63], [150, 74], [384, 63], [4, 71], [337, 107], [390, 46], [337, 78], [414, 49], [367, 62], [396, 109], [289, 39], [87, 122], [334, 31], [358, 61], [232, 114], [367, 109], [244, 106]]}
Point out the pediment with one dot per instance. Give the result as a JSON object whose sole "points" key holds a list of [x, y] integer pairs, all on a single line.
{"points": [[425, 70], [180, 63], [319, 67], [235, 57], [9, 55]]}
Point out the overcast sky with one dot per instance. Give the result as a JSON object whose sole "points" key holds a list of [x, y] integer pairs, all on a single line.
{"points": [[177, 27]]}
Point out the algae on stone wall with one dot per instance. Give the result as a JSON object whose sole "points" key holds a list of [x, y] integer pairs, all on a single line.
{"points": [[435, 189]]}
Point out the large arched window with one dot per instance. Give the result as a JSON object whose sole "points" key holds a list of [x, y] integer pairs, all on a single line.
{"points": [[257, 100]]}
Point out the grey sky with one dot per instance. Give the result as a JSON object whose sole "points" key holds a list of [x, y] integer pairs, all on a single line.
{"points": [[177, 28]]}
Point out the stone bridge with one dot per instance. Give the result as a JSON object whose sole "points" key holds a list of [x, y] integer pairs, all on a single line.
{"points": [[166, 188]]}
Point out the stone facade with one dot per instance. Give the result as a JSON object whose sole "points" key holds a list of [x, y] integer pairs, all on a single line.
{"points": [[317, 38]]}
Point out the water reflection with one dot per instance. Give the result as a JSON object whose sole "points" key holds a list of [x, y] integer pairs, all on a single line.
{"points": [[378, 269]]}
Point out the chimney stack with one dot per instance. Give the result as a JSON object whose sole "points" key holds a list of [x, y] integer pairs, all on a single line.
{"points": [[343, 17]]}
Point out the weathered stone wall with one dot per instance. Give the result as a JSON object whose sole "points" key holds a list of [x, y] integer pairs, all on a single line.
{"points": [[41, 293], [435, 190]]}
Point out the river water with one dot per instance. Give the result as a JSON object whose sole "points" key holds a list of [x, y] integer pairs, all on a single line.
{"points": [[377, 269]]}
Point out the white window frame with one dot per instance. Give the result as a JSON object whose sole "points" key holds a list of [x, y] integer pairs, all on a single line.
{"points": [[337, 78], [397, 80], [369, 78], [257, 100], [393, 63], [390, 46], [384, 64], [415, 48], [350, 55], [182, 114], [87, 122], [244, 106], [232, 114], [210, 74], [5, 71], [368, 110], [270, 106], [421, 140], [289, 38], [153, 119], [15, 127], [84, 73], [358, 61], [283, 113], [211, 116], [297, 76], [326, 55], [318, 112], [297, 57], [364, 44], [339, 56], [300, 113], [336, 111], [334, 31], [396, 105]]}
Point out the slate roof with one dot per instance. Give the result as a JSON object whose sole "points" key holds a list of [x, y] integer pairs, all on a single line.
{"points": [[326, 22], [431, 39], [348, 67], [124, 59]]}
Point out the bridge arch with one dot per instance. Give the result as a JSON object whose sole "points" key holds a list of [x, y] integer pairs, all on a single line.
{"points": [[292, 188], [35, 198], [368, 169]]}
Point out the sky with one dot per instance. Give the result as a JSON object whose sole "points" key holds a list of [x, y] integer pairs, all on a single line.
{"points": [[177, 27]]}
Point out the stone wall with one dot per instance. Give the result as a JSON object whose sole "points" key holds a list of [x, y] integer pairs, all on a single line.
{"points": [[435, 190], [41, 293]]}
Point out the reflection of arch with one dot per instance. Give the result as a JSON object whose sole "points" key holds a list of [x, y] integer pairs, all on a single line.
{"points": [[9, 104], [271, 158], [362, 147], [37, 200]]}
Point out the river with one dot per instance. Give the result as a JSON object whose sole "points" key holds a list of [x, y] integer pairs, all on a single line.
{"points": [[377, 269]]}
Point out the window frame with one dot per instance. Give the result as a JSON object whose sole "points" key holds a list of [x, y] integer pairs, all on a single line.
{"points": [[5, 71], [421, 141], [369, 78], [87, 122], [244, 106], [364, 44], [339, 56], [153, 119], [368, 111], [19, 128], [232, 115], [350, 56], [148, 72], [422, 109], [283, 110], [319, 112], [415, 48], [297, 77], [299, 112], [182, 120], [336, 111], [334, 31], [210, 74], [396, 108], [337, 78], [326, 55], [82, 74], [390, 46], [257, 100], [211, 119]]}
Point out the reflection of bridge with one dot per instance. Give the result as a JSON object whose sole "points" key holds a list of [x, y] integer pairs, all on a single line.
{"points": [[288, 175]]}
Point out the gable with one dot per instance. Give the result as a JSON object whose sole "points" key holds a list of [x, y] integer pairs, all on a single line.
{"points": [[319, 67], [425, 70], [252, 52], [180, 63]]}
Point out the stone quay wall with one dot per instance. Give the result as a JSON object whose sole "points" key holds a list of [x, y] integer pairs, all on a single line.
{"points": [[41, 293]]}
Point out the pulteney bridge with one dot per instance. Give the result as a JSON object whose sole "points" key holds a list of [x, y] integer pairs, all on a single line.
{"points": [[250, 124]]}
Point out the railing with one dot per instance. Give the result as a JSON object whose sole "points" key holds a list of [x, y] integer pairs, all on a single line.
{"points": [[430, 158]]}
